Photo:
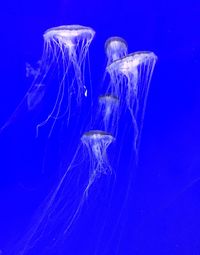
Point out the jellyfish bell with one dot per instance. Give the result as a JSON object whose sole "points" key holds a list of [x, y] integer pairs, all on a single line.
{"points": [[69, 37], [115, 48], [68, 33]]}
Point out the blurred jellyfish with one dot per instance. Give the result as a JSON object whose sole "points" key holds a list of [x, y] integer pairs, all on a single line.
{"points": [[109, 112], [115, 48], [32, 71], [35, 96], [130, 80]]}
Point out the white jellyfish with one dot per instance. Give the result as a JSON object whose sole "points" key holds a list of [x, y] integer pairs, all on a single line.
{"points": [[97, 143], [109, 112], [115, 48], [130, 80], [68, 47]]}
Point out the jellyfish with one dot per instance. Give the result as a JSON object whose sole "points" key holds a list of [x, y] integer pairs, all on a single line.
{"points": [[97, 143], [115, 48], [70, 45], [109, 112], [130, 79]]}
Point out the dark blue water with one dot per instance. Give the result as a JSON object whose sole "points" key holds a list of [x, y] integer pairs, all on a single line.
{"points": [[155, 207]]}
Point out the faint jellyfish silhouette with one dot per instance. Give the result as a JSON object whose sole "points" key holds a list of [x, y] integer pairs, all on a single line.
{"points": [[37, 91], [109, 112], [115, 48], [35, 96], [32, 71], [130, 80]]}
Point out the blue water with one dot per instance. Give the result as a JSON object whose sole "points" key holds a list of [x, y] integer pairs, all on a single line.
{"points": [[161, 210]]}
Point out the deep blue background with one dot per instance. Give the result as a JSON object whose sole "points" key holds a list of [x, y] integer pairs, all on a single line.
{"points": [[167, 205]]}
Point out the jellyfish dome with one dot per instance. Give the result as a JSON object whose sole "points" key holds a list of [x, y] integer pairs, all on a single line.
{"points": [[115, 48], [71, 31], [69, 36]]}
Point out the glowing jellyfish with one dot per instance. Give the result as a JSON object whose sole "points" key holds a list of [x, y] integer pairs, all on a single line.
{"points": [[115, 48], [67, 46], [130, 80], [109, 112], [97, 143]]}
